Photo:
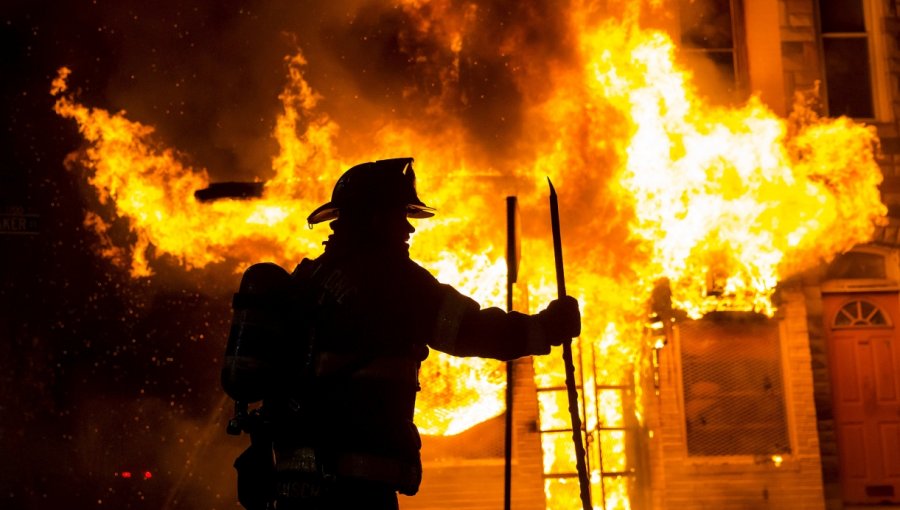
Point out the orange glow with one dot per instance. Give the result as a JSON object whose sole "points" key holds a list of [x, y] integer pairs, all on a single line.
{"points": [[654, 183]]}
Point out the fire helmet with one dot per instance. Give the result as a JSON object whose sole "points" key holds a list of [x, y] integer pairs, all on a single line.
{"points": [[373, 186]]}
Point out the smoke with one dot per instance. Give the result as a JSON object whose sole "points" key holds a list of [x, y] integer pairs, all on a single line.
{"points": [[479, 77], [207, 74], [481, 63], [151, 452], [708, 33]]}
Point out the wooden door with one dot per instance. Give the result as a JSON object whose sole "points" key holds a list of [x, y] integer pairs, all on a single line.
{"points": [[864, 361]]}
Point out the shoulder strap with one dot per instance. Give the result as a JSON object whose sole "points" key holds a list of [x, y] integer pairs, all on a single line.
{"points": [[304, 270]]}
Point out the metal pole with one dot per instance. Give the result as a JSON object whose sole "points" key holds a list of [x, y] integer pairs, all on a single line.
{"points": [[583, 481], [512, 267]]}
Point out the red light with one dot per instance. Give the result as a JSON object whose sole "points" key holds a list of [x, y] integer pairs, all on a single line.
{"points": [[126, 474], [148, 475]]}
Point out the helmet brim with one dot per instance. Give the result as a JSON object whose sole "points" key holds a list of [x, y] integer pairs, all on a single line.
{"points": [[328, 212], [325, 212], [419, 211]]}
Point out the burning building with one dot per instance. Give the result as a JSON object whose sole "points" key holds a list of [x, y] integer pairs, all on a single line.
{"points": [[723, 168]]}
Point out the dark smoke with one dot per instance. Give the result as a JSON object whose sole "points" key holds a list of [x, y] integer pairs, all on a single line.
{"points": [[207, 74], [507, 53]]}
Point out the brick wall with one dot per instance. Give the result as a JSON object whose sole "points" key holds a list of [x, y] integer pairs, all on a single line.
{"points": [[465, 472], [822, 391], [802, 68], [683, 482], [889, 132]]}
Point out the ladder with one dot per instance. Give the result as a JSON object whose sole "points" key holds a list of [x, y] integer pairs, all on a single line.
{"points": [[608, 430]]}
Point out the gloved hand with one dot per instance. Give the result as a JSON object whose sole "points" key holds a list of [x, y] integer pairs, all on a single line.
{"points": [[561, 320]]}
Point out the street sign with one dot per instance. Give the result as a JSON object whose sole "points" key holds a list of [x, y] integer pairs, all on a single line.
{"points": [[15, 221]]}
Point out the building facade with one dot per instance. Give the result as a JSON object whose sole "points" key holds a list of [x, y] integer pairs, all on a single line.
{"points": [[801, 410]]}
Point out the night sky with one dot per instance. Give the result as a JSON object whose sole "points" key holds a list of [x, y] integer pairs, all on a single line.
{"points": [[105, 374], [102, 374]]}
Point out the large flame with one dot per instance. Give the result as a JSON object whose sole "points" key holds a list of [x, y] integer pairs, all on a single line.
{"points": [[654, 184], [724, 193]]}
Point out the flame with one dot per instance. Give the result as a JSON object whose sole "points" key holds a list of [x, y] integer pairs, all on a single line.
{"points": [[725, 193], [654, 184]]}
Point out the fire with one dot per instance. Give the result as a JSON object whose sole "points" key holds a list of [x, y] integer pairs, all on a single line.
{"points": [[729, 202], [655, 184], [153, 193]]}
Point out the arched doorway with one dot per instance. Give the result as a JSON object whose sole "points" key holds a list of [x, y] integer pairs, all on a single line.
{"points": [[864, 361]]}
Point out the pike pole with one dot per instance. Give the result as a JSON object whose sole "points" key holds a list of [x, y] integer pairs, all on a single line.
{"points": [[512, 270], [583, 481]]}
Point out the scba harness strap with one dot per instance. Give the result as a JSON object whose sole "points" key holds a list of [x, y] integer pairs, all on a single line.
{"points": [[301, 475], [282, 312], [306, 472]]}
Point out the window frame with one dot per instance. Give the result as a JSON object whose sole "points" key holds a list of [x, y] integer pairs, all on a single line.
{"points": [[759, 461], [888, 320], [879, 79], [739, 49], [891, 282]]}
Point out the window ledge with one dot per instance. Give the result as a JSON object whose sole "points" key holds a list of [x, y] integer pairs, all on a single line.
{"points": [[738, 465]]}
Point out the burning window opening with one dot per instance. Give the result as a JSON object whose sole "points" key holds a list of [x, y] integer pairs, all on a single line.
{"points": [[710, 35]]}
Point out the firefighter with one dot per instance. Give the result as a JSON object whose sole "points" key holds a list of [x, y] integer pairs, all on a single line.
{"points": [[333, 351]]}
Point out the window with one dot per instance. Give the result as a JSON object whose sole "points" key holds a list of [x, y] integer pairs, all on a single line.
{"points": [[857, 265], [732, 386], [845, 47], [859, 314], [709, 34], [852, 57]]}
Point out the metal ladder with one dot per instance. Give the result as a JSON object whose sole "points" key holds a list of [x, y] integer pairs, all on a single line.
{"points": [[595, 431]]}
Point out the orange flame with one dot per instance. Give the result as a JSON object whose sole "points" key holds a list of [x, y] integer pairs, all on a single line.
{"points": [[722, 202], [727, 193]]}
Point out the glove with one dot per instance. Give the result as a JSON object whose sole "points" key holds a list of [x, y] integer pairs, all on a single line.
{"points": [[561, 320]]}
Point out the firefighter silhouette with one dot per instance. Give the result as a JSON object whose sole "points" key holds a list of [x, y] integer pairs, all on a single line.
{"points": [[333, 351]]}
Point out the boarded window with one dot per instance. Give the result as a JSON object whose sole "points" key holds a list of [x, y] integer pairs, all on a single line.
{"points": [[733, 389]]}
